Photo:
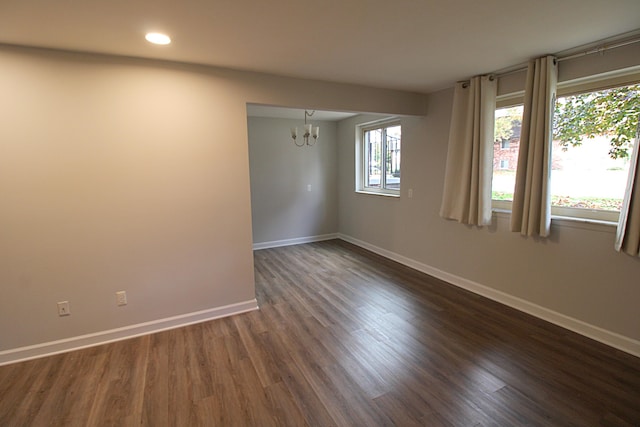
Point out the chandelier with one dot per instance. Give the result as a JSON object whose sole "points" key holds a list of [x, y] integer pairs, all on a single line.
{"points": [[309, 131]]}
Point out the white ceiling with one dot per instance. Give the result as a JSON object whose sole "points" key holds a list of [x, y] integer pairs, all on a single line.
{"points": [[415, 45]]}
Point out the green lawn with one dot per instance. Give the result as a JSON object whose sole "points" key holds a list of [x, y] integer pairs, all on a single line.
{"points": [[572, 202]]}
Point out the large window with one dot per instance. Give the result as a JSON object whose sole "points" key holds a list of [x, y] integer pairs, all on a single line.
{"points": [[593, 136], [380, 158]]}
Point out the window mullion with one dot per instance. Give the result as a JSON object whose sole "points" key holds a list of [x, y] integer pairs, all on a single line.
{"points": [[383, 160]]}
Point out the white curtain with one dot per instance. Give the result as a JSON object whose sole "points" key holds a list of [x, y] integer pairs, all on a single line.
{"points": [[628, 234], [531, 209], [469, 169]]}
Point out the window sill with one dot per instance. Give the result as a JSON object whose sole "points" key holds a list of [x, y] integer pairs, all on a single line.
{"points": [[378, 193], [568, 221]]}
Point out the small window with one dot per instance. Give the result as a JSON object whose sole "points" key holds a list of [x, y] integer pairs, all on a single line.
{"points": [[593, 139], [380, 158], [505, 152]]}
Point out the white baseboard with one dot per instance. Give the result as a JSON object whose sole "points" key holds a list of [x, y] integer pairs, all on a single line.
{"points": [[621, 342], [296, 241], [90, 340]]}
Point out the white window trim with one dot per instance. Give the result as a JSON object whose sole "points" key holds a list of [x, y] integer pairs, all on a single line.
{"points": [[361, 154], [566, 213], [591, 84]]}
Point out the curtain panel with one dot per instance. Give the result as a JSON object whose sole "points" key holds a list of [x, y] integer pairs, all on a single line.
{"points": [[628, 233], [469, 168], [531, 209]]}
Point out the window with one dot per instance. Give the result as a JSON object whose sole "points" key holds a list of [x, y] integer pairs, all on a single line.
{"points": [[379, 163], [505, 153], [593, 136]]}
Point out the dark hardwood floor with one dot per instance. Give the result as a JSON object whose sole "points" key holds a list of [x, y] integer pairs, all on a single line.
{"points": [[342, 338]]}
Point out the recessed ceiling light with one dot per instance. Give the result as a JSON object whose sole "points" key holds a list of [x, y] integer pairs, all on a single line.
{"points": [[157, 38]]}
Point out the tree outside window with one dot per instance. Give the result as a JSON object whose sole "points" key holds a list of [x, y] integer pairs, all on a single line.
{"points": [[593, 139]]}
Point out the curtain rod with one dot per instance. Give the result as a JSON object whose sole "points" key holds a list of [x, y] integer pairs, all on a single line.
{"points": [[600, 49]]}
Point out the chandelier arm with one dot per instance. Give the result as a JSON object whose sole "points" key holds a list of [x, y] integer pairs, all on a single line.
{"points": [[309, 132]]}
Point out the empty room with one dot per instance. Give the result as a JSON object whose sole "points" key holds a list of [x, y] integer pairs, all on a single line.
{"points": [[319, 214]]}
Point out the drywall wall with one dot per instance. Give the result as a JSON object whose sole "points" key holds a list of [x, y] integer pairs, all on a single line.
{"points": [[293, 189], [579, 68], [574, 278], [124, 174], [113, 177], [575, 273]]}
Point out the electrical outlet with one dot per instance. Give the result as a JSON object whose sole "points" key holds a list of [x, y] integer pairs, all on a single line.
{"points": [[121, 298], [63, 308]]}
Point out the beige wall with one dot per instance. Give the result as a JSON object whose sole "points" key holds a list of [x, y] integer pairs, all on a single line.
{"points": [[123, 174], [109, 182], [282, 207], [574, 278], [575, 273]]}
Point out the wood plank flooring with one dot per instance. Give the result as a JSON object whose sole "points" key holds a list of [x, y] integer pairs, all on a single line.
{"points": [[342, 338]]}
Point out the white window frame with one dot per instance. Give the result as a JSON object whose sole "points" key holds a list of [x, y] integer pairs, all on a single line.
{"points": [[574, 87], [362, 159]]}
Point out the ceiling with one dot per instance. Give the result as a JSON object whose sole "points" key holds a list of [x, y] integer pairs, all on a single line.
{"points": [[413, 45]]}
